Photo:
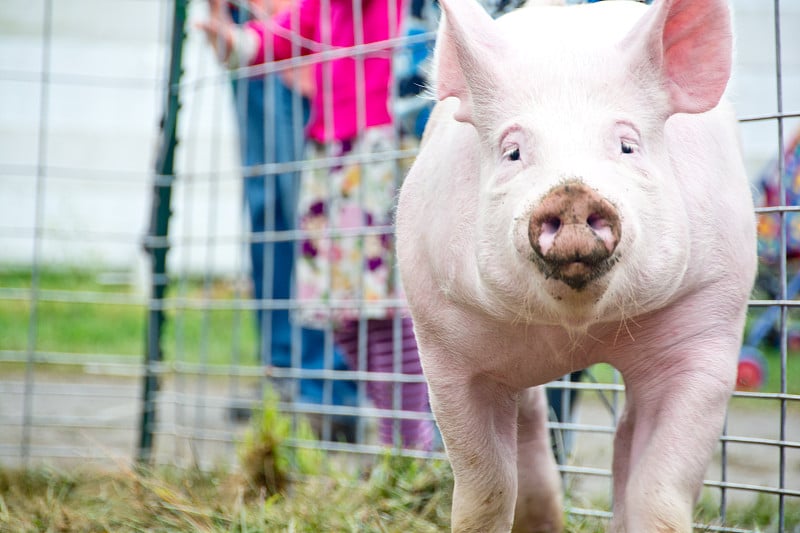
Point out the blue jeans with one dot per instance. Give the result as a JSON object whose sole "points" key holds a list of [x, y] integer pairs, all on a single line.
{"points": [[268, 133]]}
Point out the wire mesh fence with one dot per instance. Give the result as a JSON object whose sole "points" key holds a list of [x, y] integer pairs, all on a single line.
{"points": [[84, 137]]}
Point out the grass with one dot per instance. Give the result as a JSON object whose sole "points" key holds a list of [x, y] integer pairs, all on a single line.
{"points": [[759, 515], [280, 488], [167, 499], [396, 495], [75, 326]]}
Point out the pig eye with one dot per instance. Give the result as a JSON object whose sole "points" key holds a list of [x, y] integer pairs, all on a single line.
{"points": [[627, 147], [512, 154]]}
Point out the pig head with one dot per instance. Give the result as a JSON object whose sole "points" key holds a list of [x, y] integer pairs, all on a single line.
{"points": [[579, 197]]}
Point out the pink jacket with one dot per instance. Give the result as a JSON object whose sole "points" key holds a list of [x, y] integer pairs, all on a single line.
{"points": [[336, 79]]}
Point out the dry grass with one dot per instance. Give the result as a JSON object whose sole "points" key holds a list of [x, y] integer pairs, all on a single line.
{"points": [[392, 497], [280, 487], [395, 495]]}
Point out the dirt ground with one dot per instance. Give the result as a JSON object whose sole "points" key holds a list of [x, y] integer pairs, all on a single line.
{"points": [[76, 418]]}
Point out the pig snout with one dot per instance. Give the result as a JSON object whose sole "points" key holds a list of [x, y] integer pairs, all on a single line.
{"points": [[574, 232]]}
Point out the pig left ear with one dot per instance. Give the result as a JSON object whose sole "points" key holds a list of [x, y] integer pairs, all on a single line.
{"points": [[689, 43], [468, 50]]}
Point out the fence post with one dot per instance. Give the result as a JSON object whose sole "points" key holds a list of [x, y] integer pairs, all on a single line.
{"points": [[157, 242]]}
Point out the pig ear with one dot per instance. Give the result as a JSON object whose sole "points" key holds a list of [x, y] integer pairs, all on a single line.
{"points": [[689, 43], [467, 53]]}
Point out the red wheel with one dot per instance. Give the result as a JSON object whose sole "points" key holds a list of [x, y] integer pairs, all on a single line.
{"points": [[752, 371]]}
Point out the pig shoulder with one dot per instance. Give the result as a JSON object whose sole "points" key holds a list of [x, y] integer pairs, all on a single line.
{"points": [[705, 154], [438, 210]]}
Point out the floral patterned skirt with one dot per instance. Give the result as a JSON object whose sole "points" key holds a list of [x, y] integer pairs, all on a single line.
{"points": [[345, 264]]}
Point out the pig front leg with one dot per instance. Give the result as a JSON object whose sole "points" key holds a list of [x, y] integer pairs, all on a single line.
{"points": [[665, 440], [478, 421], [539, 502]]}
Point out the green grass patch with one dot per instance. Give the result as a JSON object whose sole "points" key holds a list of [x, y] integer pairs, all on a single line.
{"points": [[73, 327], [79, 319], [759, 515]]}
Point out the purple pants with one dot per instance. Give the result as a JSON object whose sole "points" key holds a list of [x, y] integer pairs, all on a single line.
{"points": [[380, 348]]}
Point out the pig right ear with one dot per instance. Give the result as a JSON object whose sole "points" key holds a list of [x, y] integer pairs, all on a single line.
{"points": [[468, 49], [689, 43]]}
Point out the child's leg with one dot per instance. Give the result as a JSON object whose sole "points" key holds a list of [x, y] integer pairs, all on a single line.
{"points": [[380, 358], [413, 396]]}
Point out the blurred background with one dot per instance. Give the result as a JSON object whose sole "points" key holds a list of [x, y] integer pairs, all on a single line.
{"points": [[83, 92]]}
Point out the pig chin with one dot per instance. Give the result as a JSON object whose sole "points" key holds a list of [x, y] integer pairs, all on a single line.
{"points": [[576, 287], [579, 275]]}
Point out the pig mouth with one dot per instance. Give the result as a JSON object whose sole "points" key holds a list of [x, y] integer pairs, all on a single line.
{"points": [[577, 270]]}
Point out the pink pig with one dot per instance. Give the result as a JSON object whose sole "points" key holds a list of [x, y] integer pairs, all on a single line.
{"points": [[579, 197]]}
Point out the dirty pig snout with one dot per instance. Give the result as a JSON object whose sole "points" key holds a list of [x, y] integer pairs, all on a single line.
{"points": [[574, 232]]}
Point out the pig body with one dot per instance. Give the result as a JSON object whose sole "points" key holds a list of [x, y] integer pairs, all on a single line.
{"points": [[579, 197]]}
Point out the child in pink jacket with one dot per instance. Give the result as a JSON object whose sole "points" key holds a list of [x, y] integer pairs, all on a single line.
{"points": [[344, 274]]}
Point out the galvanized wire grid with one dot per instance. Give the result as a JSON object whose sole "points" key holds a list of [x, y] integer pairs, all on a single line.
{"points": [[68, 407]]}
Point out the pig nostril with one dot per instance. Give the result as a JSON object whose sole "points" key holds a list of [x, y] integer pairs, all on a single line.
{"points": [[551, 225], [596, 222], [603, 229]]}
